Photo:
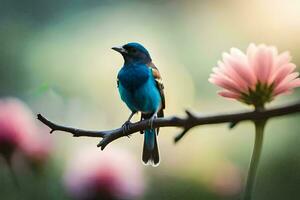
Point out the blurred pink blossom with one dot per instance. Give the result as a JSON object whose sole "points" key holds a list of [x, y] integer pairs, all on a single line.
{"points": [[18, 131], [15, 124], [37, 150], [228, 180], [255, 77], [111, 174]]}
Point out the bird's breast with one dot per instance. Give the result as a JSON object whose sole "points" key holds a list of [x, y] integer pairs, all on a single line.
{"points": [[134, 77]]}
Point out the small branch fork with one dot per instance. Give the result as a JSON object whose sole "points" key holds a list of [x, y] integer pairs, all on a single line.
{"points": [[186, 123]]}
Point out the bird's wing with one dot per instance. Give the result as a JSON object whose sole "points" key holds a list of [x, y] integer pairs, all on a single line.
{"points": [[160, 87], [159, 83]]}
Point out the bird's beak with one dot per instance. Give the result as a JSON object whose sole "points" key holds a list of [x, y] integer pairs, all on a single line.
{"points": [[120, 49]]}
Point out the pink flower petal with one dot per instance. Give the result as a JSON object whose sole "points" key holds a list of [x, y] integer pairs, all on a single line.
{"points": [[291, 81], [239, 64], [282, 59], [229, 94], [227, 71], [282, 73], [274, 52], [251, 51], [224, 83], [281, 90], [263, 63], [238, 54], [233, 73], [284, 92], [295, 83]]}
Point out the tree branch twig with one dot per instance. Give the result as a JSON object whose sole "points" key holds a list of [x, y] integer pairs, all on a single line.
{"points": [[186, 123]]}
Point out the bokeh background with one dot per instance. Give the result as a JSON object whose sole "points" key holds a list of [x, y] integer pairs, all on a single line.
{"points": [[55, 56]]}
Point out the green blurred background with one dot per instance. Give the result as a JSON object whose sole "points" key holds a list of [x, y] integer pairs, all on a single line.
{"points": [[55, 55]]}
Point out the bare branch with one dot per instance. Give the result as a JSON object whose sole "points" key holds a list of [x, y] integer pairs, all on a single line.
{"points": [[186, 123]]}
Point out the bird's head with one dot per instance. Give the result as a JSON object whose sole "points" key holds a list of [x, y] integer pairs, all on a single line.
{"points": [[134, 53]]}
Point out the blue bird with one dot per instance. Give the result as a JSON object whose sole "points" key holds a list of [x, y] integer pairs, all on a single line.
{"points": [[140, 87]]}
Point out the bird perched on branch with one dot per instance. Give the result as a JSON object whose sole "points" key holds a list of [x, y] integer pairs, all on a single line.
{"points": [[140, 87]]}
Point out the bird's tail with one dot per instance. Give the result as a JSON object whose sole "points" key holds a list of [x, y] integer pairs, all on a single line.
{"points": [[150, 150]]}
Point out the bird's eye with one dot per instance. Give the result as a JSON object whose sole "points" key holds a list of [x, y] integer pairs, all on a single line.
{"points": [[133, 50]]}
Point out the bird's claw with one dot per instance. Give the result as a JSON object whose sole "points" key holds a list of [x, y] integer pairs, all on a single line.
{"points": [[151, 121], [126, 126]]}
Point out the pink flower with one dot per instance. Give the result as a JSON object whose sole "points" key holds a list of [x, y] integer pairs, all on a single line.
{"points": [[110, 174], [15, 123], [18, 132], [256, 77], [36, 150]]}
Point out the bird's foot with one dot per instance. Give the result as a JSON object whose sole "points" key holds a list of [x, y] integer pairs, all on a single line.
{"points": [[151, 121], [126, 126]]}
